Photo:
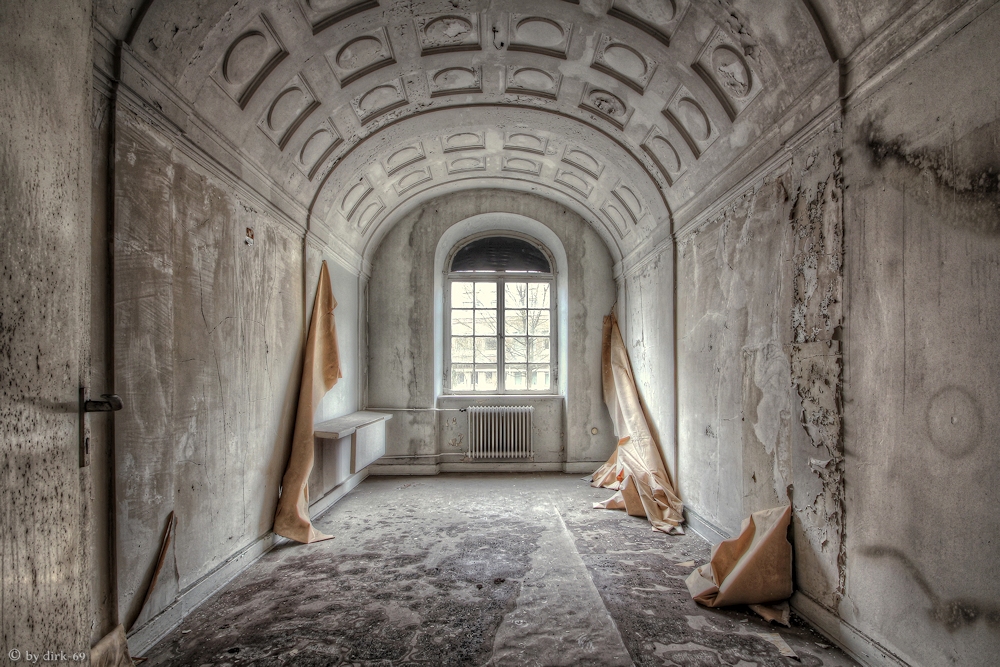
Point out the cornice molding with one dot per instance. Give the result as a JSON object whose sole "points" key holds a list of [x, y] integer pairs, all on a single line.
{"points": [[924, 22]]}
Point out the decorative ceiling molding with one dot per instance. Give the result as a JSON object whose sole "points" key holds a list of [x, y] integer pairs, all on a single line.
{"points": [[728, 73], [361, 55], [689, 117], [539, 34], [616, 58], [448, 33], [529, 80], [459, 80], [322, 14], [249, 59], [659, 18], [287, 111], [607, 105]]}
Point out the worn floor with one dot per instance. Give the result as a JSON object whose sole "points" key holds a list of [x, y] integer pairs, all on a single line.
{"points": [[478, 570]]}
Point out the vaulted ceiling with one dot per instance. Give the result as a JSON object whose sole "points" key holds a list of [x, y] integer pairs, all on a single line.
{"points": [[623, 110]]}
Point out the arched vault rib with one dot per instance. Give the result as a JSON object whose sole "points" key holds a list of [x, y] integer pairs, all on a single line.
{"points": [[526, 146], [608, 235]]}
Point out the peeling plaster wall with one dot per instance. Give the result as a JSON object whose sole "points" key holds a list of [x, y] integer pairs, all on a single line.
{"points": [[922, 354], [401, 343], [208, 341], [45, 506], [838, 344], [759, 310]]}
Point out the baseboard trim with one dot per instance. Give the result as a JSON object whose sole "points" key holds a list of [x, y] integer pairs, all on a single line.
{"points": [[855, 643], [518, 466], [338, 492], [144, 638], [394, 469], [428, 465], [581, 467], [705, 528]]}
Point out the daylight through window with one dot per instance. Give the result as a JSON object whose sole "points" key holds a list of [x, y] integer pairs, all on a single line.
{"points": [[500, 319]]}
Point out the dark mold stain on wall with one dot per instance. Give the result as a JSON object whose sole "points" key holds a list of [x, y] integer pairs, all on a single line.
{"points": [[960, 179], [953, 614]]}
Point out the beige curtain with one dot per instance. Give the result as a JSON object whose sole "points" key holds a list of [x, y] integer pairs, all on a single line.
{"points": [[636, 469], [320, 371]]}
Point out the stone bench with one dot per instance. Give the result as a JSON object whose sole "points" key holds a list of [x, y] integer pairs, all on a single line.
{"points": [[367, 431]]}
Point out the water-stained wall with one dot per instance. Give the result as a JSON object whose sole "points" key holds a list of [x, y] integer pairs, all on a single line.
{"points": [[44, 326], [209, 330], [838, 345], [922, 353], [401, 343]]}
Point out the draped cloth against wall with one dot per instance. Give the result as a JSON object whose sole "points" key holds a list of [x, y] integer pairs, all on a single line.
{"points": [[320, 371], [753, 568], [636, 469]]}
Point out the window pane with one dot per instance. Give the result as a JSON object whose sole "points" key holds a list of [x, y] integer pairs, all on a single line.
{"points": [[514, 351], [538, 377], [486, 378], [486, 295], [538, 349], [461, 322], [515, 295], [486, 350], [461, 295], [461, 377], [538, 295], [538, 322], [461, 350], [515, 377], [486, 322], [513, 323]]}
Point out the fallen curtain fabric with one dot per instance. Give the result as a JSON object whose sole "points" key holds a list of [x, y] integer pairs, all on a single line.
{"points": [[320, 371], [754, 568], [636, 469], [111, 651]]}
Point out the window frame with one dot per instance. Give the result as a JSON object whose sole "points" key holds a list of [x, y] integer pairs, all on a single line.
{"points": [[500, 279]]}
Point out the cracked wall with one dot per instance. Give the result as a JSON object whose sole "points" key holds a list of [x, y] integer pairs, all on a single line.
{"points": [[208, 339], [759, 310]]}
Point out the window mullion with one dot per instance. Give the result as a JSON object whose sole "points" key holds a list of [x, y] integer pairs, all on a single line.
{"points": [[501, 351]]}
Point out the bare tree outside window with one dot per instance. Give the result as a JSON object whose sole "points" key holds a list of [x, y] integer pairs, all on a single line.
{"points": [[499, 327]]}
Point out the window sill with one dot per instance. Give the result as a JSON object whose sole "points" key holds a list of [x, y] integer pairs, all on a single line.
{"points": [[497, 397]]}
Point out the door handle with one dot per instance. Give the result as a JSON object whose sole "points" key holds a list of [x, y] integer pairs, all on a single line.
{"points": [[109, 403]]}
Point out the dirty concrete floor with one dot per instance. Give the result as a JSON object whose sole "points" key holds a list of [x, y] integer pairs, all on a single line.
{"points": [[478, 570]]}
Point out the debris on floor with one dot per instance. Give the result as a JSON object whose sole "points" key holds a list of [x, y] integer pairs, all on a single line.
{"points": [[417, 586], [782, 645]]}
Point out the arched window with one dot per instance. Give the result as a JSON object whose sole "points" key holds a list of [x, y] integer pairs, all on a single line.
{"points": [[500, 317]]}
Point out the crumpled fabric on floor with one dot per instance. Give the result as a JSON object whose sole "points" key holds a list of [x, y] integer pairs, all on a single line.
{"points": [[320, 371], [754, 568], [636, 469], [111, 650]]}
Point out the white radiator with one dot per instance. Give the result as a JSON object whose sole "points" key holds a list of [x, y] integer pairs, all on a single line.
{"points": [[502, 432]]}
